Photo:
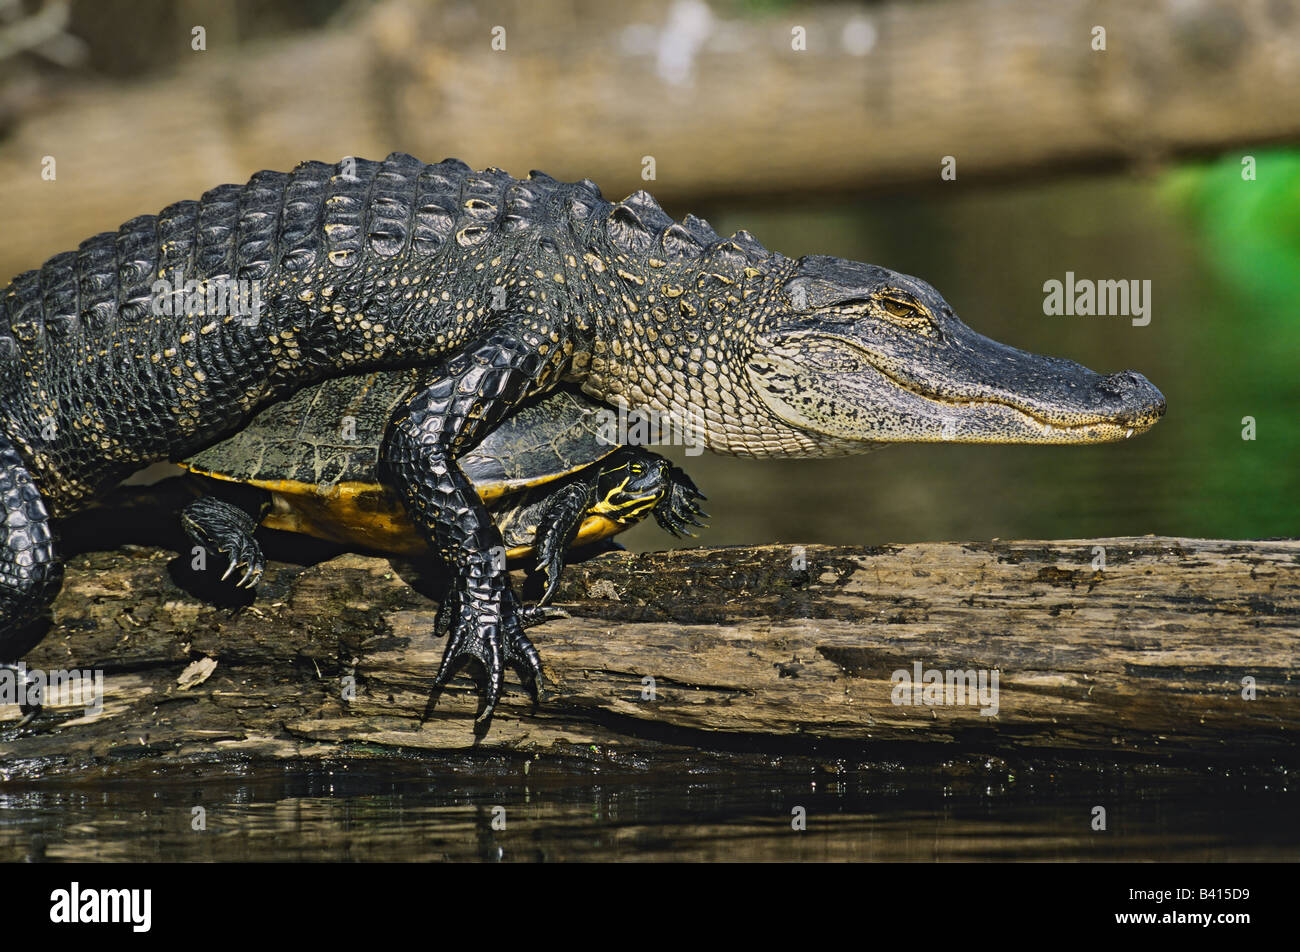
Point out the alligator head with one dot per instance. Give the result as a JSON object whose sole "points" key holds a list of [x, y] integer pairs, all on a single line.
{"points": [[855, 355]]}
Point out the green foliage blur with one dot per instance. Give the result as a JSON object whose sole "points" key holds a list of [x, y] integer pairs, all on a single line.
{"points": [[1250, 230]]}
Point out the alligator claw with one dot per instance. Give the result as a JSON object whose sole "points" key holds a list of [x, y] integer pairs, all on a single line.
{"points": [[492, 638], [524, 659]]}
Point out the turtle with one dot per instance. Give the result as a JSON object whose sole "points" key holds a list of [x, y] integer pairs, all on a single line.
{"points": [[551, 474]]}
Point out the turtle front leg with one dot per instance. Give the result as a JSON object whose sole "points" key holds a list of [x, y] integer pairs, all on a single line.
{"points": [[678, 506], [624, 488], [556, 530], [226, 531], [463, 401]]}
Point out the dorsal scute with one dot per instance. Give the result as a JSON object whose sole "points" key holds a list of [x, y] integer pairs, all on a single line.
{"points": [[627, 232], [726, 256], [648, 210], [484, 187], [218, 223], [58, 281], [437, 194], [391, 207], [580, 199], [678, 243], [751, 246], [347, 206], [403, 160], [454, 167], [638, 226], [299, 230], [525, 205], [700, 230], [137, 265]]}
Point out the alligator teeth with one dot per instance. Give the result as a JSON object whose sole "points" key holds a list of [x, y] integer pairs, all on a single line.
{"points": [[1129, 433]]}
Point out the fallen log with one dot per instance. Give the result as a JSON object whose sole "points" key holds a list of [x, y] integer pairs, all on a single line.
{"points": [[1170, 647]]}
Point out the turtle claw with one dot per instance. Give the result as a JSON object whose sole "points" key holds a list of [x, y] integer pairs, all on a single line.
{"points": [[540, 614], [552, 570], [249, 558], [679, 507], [226, 530], [253, 573]]}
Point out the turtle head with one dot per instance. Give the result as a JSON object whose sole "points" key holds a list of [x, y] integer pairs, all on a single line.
{"points": [[630, 484], [858, 354]]}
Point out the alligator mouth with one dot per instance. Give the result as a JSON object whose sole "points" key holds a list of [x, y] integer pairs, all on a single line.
{"points": [[842, 390], [1101, 428]]}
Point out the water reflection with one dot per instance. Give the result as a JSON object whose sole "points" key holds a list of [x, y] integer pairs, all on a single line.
{"points": [[373, 811]]}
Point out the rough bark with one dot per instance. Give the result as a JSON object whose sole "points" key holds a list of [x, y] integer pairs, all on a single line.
{"points": [[1142, 658]]}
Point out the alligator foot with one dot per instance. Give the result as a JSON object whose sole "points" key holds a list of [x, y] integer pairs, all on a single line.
{"points": [[529, 615], [490, 638]]}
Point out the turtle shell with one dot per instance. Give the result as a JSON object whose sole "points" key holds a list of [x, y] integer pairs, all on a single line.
{"points": [[317, 454], [330, 433]]}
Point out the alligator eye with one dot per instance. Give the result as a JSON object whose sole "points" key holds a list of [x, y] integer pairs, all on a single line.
{"points": [[906, 314]]}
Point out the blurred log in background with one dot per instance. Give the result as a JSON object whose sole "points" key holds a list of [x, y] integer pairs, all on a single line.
{"points": [[716, 93]]}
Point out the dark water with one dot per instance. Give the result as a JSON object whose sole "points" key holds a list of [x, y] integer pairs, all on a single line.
{"points": [[670, 810]]}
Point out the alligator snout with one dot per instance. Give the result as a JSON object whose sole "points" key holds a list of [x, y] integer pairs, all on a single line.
{"points": [[1134, 399]]}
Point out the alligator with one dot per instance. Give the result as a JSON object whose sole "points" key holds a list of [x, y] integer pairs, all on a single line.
{"points": [[142, 346]]}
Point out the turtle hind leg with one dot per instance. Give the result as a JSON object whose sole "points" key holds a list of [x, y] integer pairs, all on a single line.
{"points": [[226, 531], [31, 572]]}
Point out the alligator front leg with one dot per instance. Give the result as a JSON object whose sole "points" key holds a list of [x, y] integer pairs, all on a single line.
{"points": [[473, 391], [30, 571]]}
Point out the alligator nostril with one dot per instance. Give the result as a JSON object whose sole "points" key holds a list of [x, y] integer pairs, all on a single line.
{"points": [[1134, 391], [1115, 385], [1124, 384]]}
